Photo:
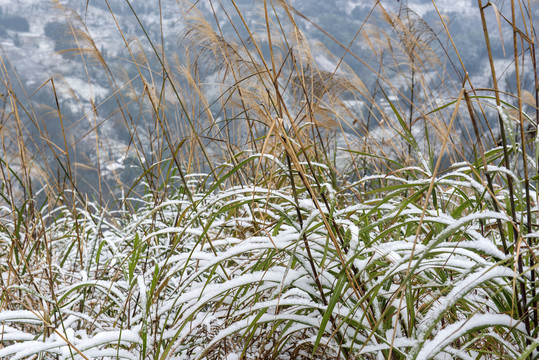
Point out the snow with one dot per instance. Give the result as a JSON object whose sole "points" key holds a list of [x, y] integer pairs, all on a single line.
{"points": [[193, 278], [462, 7], [460, 289], [459, 328], [26, 316], [84, 90]]}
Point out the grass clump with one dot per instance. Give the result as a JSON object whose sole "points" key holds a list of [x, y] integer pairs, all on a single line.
{"points": [[263, 216]]}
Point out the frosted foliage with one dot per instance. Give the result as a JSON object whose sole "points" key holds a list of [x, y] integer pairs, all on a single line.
{"points": [[223, 282]]}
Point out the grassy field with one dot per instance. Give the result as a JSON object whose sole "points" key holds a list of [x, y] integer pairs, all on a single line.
{"points": [[266, 217]]}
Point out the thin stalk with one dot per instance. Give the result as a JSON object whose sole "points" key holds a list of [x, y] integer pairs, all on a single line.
{"points": [[410, 117], [531, 242], [310, 256], [502, 134], [525, 165], [485, 166]]}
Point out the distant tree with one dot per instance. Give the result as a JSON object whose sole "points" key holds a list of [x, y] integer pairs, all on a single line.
{"points": [[471, 44], [17, 40], [16, 23], [59, 32], [55, 30]]}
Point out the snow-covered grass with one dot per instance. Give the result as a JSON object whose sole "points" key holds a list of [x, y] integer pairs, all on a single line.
{"points": [[253, 272], [262, 217]]}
